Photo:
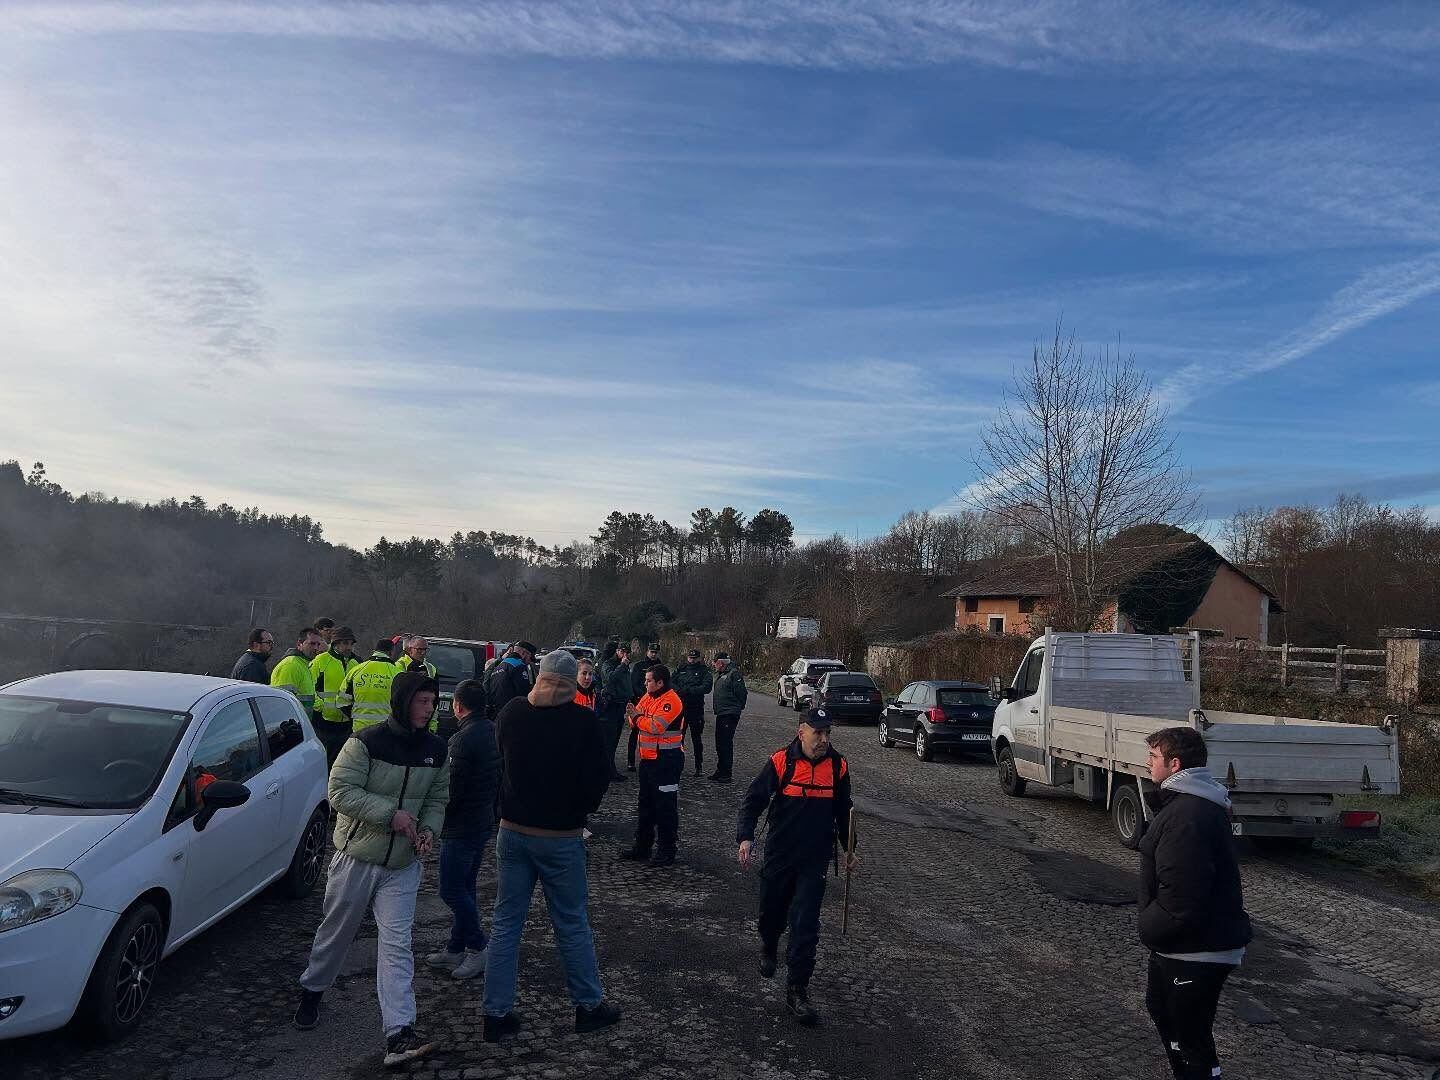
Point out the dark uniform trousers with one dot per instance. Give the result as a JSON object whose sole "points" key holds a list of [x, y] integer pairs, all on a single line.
{"points": [[659, 809], [695, 725], [332, 736], [793, 894], [1182, 996], [725, 725], [614, 724]]}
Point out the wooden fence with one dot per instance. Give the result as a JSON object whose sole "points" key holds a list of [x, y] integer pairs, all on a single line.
{"points": [[1337, 669]]}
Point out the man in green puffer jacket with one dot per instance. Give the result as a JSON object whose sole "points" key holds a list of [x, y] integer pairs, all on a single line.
{"points": [[388, 789]]}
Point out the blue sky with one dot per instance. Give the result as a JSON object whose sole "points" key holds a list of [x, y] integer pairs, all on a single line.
{"points": [[364, 260]]}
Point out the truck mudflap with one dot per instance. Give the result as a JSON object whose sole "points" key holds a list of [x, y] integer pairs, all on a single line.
{"points": [[1351, 825]]}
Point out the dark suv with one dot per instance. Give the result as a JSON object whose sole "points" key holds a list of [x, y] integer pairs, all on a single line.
{"points": [[939, 715], [455, 660]]}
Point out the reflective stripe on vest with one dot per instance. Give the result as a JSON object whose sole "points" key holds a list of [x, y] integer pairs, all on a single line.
{"points": [[653, 724], [331, 670], [808, 780]]}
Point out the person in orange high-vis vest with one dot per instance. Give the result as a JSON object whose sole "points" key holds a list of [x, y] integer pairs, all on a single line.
{"points": [[806, 788], [658, 719]]}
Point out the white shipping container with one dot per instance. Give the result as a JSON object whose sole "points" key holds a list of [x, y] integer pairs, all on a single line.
{"points": [[797, 628]]}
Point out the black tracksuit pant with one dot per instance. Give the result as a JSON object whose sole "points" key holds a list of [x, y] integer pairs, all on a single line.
{"points": [[1182, 996], [793, 895], [630, 751], [725, 725], [659, 808], [695, 725]]}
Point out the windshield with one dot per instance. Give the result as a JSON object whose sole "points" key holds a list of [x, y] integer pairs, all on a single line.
{"points": [[452, 661], [820, 669], [840, 682], [93, 755], [958, 696]]}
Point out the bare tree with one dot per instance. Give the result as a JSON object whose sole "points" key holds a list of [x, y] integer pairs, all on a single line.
{"points": [[1079, 452]]}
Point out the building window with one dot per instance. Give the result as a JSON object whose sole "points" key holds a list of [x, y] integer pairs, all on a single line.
{"points": [[997, 624], [1027, 605], [972, 605]]}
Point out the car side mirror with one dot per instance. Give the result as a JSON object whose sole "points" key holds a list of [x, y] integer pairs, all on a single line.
{"points": [[889, 701], [221, 795], [1008, 693]]}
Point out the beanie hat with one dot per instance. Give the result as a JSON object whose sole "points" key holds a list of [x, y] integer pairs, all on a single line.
{"points": [[560, 664]]}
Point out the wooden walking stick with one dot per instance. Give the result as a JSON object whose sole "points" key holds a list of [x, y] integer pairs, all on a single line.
{"points": [[849, 853]]}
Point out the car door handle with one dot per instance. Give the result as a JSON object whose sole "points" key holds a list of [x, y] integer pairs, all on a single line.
{"points": [[273, 790], [1034, 712]]}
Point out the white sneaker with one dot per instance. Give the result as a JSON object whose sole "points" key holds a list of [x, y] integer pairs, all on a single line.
{"points": [[472, 965], [445, 960]]}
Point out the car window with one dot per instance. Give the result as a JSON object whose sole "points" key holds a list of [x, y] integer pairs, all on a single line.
{"points": [[848, 680], [281, 723], [452, 661], [1032, 673], [960, 695], [229, 749], [906, 695]]}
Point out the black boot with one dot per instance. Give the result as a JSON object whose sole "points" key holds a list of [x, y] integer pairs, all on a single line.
{"points": [[307, 1015], [768, 959], [636, 854], [596, 1017], [797, 1002], [495, 1028], [663, 858]]}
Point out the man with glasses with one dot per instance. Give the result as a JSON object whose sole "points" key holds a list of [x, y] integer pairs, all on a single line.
{"points": [[415, 650], [251, 665]]}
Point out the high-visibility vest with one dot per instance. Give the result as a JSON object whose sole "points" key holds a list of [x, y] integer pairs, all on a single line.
{"points": [[293, 674], [330, 671], [807, 779], [655, 715], [404, 663], [368, 687], [588, 700]]}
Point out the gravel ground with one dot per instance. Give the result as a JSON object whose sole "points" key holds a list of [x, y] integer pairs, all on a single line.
{"points": [[989, 938]]}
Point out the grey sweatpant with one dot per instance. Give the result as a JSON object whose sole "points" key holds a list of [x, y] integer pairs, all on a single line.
{"points": [[351, 888]]}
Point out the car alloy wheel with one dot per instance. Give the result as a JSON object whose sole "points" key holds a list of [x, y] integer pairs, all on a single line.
{"points": [[136, 972], [922, 751], [884, 733], [312, 855]]}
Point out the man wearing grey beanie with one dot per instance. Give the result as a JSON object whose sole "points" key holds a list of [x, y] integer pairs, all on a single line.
{"points": [[555, 775]]}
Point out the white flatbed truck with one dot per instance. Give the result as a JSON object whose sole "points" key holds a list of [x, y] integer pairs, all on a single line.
{"points": [[1081, 706]]}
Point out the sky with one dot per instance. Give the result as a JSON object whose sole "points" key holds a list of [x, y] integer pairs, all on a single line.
{"points": [[419, 267]]}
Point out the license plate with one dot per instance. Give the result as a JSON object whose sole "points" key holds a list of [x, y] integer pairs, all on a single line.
{"points": [[857, 698], [1237, 828], [975, 737]]}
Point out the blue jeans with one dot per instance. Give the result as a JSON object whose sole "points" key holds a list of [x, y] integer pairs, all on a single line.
{"points": [[558, 863], [459, 866]]}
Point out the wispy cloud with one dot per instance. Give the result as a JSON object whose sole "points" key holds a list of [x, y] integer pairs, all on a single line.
{"points": [[1375, 294], [808, 33]]}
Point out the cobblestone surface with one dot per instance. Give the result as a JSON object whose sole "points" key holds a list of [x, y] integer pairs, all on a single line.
{"points": [[989, 938]]}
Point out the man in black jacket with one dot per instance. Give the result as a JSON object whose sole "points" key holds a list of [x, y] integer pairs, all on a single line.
{"points": [[509, 679], [806, 787], [251, 665], [692, 681], [617, 697], [469, 822], [1192, 913]]}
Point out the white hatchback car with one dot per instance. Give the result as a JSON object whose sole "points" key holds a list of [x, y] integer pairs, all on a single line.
{"points": [[137, 808]]}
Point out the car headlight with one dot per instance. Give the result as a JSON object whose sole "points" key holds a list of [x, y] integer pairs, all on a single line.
{"points": [[36, 894]]}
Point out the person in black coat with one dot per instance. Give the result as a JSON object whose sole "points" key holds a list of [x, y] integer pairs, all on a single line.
{"points": [[1192, 912], [251, 665], [805, 788], [510, 678], [469, 824]]}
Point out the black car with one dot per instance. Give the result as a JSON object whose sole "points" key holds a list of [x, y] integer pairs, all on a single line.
{"points": [[849, 695], [455, 660], [936, 714]]}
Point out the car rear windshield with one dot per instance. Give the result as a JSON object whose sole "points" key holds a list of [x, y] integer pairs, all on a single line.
{"points": [[821, 669], [843, 682], [84, 753], [452, 661], [961, 696]]}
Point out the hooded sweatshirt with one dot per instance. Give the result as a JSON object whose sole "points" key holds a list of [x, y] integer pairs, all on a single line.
{"points": [[1191, 905], [385, 768]]}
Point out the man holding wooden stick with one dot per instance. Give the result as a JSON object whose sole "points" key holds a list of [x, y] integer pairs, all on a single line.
{"points": [[806, 787]]}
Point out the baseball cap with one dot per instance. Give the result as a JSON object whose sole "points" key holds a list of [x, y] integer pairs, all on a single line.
{"points": [[654, 646], [722, 656], [531, 649], [693, 654], [817, 718], [560, 663]]}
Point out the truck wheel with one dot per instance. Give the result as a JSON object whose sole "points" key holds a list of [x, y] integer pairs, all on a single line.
{"points": [[1011, 782], [1127, 815]]}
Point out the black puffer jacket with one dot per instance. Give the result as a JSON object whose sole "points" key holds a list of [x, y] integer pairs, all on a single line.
{"points": [[474, 780], [1190, 896]]}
